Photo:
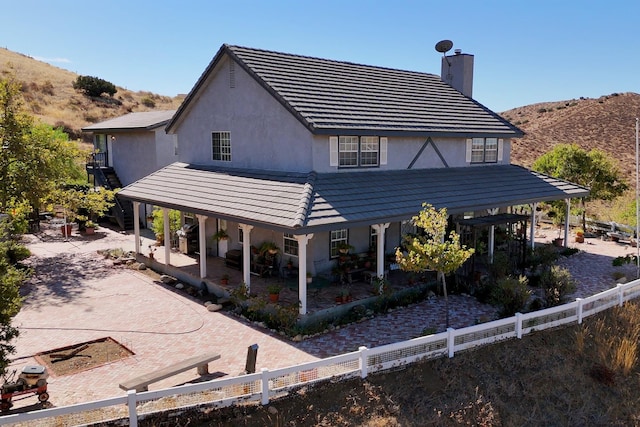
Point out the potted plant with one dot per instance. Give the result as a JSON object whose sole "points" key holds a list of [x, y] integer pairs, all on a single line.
{"points": [[158, 223], [309, 277], [90, 227], [224, 280], [274, 292], [221, 235], [290, 264], [152, 251], [579, 235], [344, 296], [269, 247], [344, 247]]}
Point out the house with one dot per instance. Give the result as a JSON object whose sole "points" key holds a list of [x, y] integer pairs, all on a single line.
{"points": [[312, 153], [128, 148]]}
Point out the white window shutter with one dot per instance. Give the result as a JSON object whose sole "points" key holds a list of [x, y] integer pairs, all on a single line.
{"points": [[500, 149], [333, 151], [383, 150], [469, 144]]}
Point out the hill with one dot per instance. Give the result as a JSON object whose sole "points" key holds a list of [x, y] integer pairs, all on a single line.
{"points": [[607, 123], [49, 95]]}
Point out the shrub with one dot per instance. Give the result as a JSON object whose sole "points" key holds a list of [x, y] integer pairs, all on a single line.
{"points": [[501, 266], [148, 102], [158, 222], [511, 295], [94, 86], [557, 283], [47, 88]]}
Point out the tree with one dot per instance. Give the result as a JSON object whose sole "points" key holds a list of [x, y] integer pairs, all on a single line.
{"points": [[94, 86], [432, 250], [10, 279], [592, 169], [34, 158]]}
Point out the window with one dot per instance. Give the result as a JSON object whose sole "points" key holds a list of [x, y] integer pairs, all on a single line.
{"points": [[221, 146], [369, 148], [290, 245], [337, 237], [373, 238], [484, 150], [348, 151], [357, 151]]}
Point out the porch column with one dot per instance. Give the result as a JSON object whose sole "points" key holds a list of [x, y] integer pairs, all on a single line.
{"points": [[534, 206], [167, 236], [566, 223], [136, 225], [380, 231], [202, 241], [303, 240], [492, 235], [246, 255]]}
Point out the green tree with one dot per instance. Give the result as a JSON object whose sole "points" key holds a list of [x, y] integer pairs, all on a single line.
{"points": [[34, 158], [11, 278], [433, 250], [592, 169], [94, 86]]}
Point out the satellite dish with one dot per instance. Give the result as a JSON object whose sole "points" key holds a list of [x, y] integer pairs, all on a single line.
{"points": [[444, 46]]}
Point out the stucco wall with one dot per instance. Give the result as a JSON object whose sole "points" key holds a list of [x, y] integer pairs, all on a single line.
{"points": [[401, 152], [264, 134], [165, 152], [134, 155]]}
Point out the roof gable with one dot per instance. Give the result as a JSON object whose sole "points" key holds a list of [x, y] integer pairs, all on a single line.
{"points": [[331, 97]]}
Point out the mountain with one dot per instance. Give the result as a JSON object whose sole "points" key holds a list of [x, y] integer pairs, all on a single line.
{"points": [[607, 123], [49, 95]]}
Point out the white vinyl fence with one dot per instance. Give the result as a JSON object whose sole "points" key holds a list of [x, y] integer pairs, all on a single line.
{"points": [[265, 385]]}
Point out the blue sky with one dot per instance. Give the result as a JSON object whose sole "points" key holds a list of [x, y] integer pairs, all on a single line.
{"points": [[525, 51]]}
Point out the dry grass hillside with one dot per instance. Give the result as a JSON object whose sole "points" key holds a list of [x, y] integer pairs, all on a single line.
{"points": [[607, 123], [49, 95]]}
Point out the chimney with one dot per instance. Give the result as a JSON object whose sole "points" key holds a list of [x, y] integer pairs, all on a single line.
{"points": [[457, 71]]}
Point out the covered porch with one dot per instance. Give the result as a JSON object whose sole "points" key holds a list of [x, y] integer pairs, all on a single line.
{"points": [[306, 206], [322, 293]]}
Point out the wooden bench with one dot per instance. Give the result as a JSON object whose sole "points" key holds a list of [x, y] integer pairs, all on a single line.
{"points": [[141, 383]]}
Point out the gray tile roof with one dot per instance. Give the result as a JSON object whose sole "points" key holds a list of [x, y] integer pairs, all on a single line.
{"points": [[143, 120], [333, 200], [341, 97]]}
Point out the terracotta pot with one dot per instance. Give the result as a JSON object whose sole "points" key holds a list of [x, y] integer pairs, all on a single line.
{"points": [[89, 230], [579, 239], [66, 229], [224, 282], [274, 297]]}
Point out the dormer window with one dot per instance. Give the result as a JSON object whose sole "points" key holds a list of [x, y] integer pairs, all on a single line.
{"points": [[349, 151], [221, 146], [484, 150]]}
